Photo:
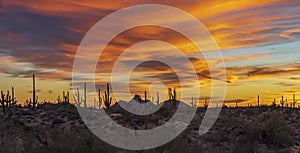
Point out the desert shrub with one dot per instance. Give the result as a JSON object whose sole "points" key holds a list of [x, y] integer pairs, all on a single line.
{"points": [[250, 112], [245, 147], [73, 141], [277, 132], [181, 144], [263, 108], [273, 132], [57, 120], [73, 116], [248, 141]]}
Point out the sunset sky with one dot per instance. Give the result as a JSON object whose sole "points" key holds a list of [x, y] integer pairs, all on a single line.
{"points": [[259, 39]]}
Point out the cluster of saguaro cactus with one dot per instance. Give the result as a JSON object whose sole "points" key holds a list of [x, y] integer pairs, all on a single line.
{"points": [[8, 101], [172, 95], [78, 100], [205, 103], [107, 99], [283, 102], [193, 103], [66, 97]]}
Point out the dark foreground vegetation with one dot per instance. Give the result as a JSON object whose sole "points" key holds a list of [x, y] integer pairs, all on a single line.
{"points": [[47, 127], [59, 128]]}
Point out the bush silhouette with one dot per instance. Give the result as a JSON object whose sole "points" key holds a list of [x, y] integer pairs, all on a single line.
{"points": [[277, 132]]}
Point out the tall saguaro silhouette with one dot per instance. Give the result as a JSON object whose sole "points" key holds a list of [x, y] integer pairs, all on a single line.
{"points": [[257, 100], [33, 88], [107, 99], [294, 101], [157, 98], [34, 97], [282, 101], [99, 99], [84, 95]]}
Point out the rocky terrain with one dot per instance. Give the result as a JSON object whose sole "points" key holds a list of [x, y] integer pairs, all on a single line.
{"points": [[59, 128]]}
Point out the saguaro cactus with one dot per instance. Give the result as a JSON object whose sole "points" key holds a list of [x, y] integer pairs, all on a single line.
{"points": [[205, 103], [7, 101], [34, 97], [294, 101], [157, 98], [258, 100], [107, 99], [95, 103], [145, 96], [84, 95], [66, 97], [3, 101], [13, 98], [192, 103], [282, 101], [274, 103], [172, 95], [58, 100], [145, 116], [77, 98], [99, 99]]}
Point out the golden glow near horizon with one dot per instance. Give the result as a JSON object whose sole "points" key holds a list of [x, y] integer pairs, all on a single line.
{"points": [[259, 40]]}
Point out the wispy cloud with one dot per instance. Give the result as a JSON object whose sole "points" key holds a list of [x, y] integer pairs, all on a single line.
{"points": [[42, 37]]}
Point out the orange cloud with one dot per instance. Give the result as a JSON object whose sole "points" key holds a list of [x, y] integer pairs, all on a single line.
{"points": [[289, 34], [52, 30], [232, 23]]}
